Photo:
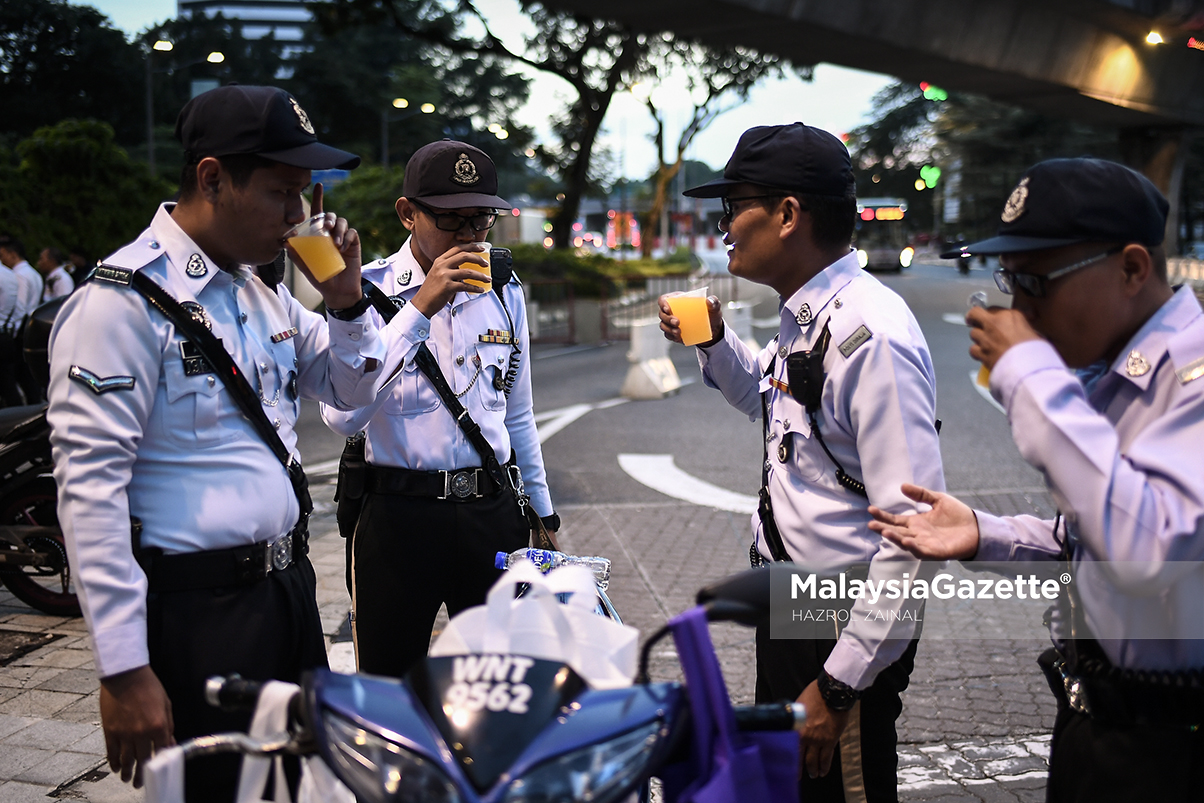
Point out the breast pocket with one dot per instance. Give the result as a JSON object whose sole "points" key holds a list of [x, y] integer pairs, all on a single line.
{"points": [[192, 415], [412, 395], [798, 448], [495, 361]]}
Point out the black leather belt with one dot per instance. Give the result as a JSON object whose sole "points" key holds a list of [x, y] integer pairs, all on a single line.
{"points": [[456, 484], [243, 565]]}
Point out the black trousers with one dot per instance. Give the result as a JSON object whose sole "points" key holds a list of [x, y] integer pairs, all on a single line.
{"points": [[412, 554], [266, 631], [787, 666], [1096, 762]]}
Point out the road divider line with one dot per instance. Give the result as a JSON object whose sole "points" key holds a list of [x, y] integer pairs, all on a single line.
{"points": [[660, 473]]}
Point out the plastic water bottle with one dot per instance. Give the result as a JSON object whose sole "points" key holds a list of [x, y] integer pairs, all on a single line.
{"points": [[546, 560]]}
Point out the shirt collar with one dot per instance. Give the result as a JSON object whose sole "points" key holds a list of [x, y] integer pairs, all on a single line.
{"points": [[1146, 349], [809, 300], [182, 252]]}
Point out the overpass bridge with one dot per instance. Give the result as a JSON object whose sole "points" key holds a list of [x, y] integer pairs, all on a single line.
{"points": [[1088, 60]]}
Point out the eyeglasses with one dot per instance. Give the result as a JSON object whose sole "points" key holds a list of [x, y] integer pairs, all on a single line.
{"points": [[727, 202], [453, 221], [1035, 285]]}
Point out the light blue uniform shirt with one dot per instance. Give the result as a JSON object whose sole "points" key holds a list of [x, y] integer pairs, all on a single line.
{"points": [[878, 416], [408, 426], [1126, 468], [31, 288], [174, 449]]}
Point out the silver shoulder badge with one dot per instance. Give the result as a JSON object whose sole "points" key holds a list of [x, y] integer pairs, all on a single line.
{"points": [[100, 384], [465, 171], [855, 340], [1014, 207]]}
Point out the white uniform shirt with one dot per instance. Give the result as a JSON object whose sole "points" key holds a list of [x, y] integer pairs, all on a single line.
{"points": [[878, 415], [31, 288], [170, 448], [10, 300], [409, 427], [1126, 468], [58, 284]]}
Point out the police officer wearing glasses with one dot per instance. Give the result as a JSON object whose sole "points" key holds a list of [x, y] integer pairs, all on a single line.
{"points": [[864, 425], [431, 518], [1100, 366]]}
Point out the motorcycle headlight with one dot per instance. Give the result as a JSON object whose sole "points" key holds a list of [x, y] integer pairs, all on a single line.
{"points": [[379, 771], [905, 256], [600, 773], [863, 258]]}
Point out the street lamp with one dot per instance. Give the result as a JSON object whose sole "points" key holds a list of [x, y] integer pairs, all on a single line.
{"points": [[164, 46], [386, 117]]}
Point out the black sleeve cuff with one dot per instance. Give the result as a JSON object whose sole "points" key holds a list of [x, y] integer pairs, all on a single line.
{"points": [[551, 522], [352, 312]]}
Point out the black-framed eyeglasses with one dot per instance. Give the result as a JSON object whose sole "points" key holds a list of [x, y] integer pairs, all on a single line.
{"points": [[1035, 285], [454, 221], [728, 201]]}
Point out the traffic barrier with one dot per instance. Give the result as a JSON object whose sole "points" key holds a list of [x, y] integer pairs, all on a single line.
{"points": [[651, 375]]}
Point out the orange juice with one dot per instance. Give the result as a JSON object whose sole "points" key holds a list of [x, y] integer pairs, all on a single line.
{"points": [[319, 255], [984, 377], [695, 320], [481, 268]]}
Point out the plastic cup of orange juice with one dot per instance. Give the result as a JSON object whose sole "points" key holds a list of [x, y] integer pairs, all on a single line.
{"points": [[485, 247], [983, 379], [694, 319], [312, 242]]}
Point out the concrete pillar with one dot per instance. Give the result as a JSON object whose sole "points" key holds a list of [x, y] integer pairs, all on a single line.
{"points": [[1160, 154], [652, 375]]}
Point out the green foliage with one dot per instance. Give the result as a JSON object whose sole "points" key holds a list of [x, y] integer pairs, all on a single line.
{"points": [[366, 200], [70, 185], [590, 275]]}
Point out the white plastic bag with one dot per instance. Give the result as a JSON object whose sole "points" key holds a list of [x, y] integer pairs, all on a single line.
{"points": [[600, 650]]}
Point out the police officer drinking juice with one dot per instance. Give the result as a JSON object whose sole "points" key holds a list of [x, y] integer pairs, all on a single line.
{"points": [[176, 379], [847, 395], [1100, 366]]}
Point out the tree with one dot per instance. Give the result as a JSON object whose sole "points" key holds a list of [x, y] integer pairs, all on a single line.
{"points": [[70, 185], [58, 61], [712, 74], [366, 199]]}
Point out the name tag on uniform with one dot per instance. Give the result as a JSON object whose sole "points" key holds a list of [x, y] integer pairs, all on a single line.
{"points": [[497, 336], [195, 363], [280, 337]]}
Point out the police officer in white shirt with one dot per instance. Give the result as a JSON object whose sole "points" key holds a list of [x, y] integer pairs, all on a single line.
{"points": [[142, 426], [12, 254], [432, 520], [1099, 364], [57, 282], [789, 209]]}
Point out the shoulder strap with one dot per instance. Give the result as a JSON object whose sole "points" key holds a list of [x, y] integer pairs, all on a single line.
{"points": [[224, 366]]}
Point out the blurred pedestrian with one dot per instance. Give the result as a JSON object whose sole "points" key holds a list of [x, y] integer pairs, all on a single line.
{"points": [[57, 281], [10, 349], [1100, 366], [187, 424], [12, 254], [427, 484], [847, 395], [80, 264]]}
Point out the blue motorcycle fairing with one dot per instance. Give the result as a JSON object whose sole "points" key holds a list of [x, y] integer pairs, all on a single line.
{"points": [[383, 706]]}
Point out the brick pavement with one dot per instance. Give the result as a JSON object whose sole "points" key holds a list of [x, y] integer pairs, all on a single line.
{"points": [[974, 727]]}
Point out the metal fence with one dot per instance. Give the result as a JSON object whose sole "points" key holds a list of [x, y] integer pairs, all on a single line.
{"points": [[636, 298], [551, 314]]}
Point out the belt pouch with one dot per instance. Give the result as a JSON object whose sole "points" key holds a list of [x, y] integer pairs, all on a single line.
{"points": [[349, 493], [1053, 676]]}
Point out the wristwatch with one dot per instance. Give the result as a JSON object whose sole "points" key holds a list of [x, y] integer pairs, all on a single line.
{"points": [[837, 696], [551, 522], [352, 312]]}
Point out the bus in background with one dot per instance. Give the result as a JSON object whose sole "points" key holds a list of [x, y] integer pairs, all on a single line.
{"points": [[881, 234]]}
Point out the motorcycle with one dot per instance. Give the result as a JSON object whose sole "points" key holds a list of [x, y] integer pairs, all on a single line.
{"points": [[33, 554], [485, 728]]}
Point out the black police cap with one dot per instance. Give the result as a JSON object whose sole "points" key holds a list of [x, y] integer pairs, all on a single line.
{"points": [[262, 120], [796, 158], [1065, 201], [450, 174]]}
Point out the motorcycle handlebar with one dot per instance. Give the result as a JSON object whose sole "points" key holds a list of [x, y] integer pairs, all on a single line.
{"points": [[770, 717], [232, 693]]}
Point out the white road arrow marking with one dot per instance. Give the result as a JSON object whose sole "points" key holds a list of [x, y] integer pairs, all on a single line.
{"points": [[660, 473]]}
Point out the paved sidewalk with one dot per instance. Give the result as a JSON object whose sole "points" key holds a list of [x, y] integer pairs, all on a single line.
{"points": [[974, 727]]}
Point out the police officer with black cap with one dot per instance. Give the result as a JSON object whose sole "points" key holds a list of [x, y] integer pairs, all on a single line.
{"points": [[1099, 365], [856, 418], [176, 378]]}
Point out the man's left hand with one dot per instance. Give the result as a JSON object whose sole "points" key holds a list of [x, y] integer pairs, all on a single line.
{"points": [[996, 330], [821, 732], [342, 290]]}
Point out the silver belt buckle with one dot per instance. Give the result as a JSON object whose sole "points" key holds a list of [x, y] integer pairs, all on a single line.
{"points": [[461, 484], [279, 554]]}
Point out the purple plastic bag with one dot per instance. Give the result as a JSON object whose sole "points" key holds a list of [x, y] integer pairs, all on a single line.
{"points": [[725, 764]]}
